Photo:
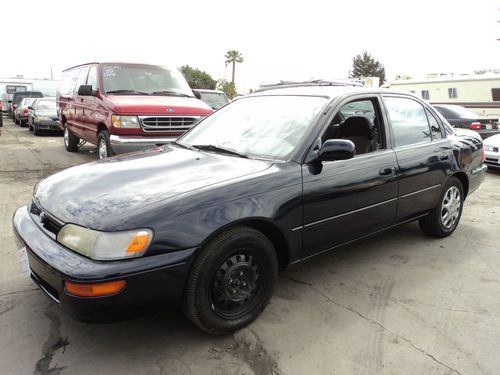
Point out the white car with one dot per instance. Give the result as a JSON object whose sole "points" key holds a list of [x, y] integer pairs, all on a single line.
{"points": [[492, 151]]}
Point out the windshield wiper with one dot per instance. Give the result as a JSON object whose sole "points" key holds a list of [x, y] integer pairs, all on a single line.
{"points": [[221, 149], [166, 92], [183, 145], [133, 92]]}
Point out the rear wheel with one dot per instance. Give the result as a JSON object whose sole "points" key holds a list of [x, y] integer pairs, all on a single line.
{"points": [[444, 218], [70, 140], [103, 145], [231, 281]]}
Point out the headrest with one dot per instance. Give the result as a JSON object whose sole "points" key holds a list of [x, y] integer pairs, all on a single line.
{"points": [[356, 126]]}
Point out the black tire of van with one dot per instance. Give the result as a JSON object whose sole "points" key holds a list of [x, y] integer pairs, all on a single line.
{"points": [[71, 141], [104, 149]]}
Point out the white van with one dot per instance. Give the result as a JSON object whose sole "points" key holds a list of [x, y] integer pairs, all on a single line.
{"points": [[8, 88]]}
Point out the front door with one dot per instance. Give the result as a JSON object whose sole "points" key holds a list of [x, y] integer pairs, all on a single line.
{"points": [[347, 199]]}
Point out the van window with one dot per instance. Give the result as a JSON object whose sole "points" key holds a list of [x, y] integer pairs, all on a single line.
{"points": [[82, 78], [92, 78], [68, 82]]}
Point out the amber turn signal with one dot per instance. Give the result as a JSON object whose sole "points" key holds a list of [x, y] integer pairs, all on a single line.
{"points": [[138, 243], [94, 290]]}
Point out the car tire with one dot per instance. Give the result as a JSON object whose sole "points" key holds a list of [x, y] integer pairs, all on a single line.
{"points": [[444, 218], [15, 119], [70, 140], [30, 127], [36, 131], [231, 281], [104, 149]]}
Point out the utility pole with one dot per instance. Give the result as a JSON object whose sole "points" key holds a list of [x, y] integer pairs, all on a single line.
{"points": [[51, 76]]}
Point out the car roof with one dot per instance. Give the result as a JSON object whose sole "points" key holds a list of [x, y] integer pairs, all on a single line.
{"points": [[327, 91]]}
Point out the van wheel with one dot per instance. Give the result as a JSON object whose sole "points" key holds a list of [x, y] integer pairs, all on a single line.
{"points": [[70, 140], [444, 218], [231, 281], [103, 145]]}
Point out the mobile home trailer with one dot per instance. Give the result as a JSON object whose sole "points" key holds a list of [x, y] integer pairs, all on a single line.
{"points": [[479, 93]]}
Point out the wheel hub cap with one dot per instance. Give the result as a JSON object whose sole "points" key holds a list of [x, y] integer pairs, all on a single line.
{"points": [[66, 136], [102, 150], [450, 208]]}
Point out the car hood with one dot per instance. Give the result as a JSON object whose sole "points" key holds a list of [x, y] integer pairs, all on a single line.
{"points": [[156, 105], [101, 193], [493, 141], [46, 113]]}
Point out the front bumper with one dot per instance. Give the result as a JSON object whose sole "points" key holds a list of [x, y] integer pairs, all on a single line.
{"points": [[155, 282], [124, 144], [47, 125], [492, 158]]}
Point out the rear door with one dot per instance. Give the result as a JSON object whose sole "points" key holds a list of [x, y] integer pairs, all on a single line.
{"points": [[424, 154], [347, 199]]}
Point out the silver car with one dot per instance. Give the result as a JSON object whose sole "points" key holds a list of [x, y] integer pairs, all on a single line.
{"points": [[21, 112], [492, 151]]}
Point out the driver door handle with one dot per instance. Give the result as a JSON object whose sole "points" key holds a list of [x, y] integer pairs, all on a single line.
{"points": [[387, 171]]}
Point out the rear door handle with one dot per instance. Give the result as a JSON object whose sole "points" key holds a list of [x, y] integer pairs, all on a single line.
{"points": [[387, 171]]}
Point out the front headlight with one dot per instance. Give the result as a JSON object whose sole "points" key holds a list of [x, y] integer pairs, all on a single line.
{"points": [[105, 245], [128, 122]]}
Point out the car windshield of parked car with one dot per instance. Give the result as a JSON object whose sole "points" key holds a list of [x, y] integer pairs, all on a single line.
{"points": [[133, 79], [462, 112], [214, 99], [268, 127], [46, 105]]}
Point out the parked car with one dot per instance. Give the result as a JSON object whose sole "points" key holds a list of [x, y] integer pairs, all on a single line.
{"points": [[21, 112], [43, 116], [492, 151], [461, 117], [125, 107], [18, 96], [267, 181], [214, 98]]}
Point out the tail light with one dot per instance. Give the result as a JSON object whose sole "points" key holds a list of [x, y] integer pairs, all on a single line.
{"points": [[475, 126], [25, 110], [0, 105], [482, 154]]}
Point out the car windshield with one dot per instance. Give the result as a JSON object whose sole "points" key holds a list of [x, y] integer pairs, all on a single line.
{"points": [[133, 79], [214, 99], [268, 127], [46, 105], [462, 112]]}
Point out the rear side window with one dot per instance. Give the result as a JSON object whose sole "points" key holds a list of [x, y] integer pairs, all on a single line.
{"points": [[11, 89], [408, 121], [68, 82]]}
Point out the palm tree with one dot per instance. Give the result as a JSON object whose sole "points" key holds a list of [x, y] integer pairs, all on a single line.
{"points": [[233, 57]]}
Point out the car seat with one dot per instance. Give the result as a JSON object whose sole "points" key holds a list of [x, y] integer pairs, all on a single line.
{"points": [[357, 129]]}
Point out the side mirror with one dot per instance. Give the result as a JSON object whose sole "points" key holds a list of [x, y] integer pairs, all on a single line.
{"points": [[197, 94], [336, 149], [85, 90]]}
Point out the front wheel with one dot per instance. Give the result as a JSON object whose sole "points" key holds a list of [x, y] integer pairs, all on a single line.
{"points": [[70, 140], [104, 145], [231, 281], [36, 130], [444, 218]]}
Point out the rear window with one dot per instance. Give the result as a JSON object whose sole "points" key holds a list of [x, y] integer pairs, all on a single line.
{"points": [[18, 96]]}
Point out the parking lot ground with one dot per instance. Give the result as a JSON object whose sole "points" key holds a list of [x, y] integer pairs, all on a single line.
{"points": [[399, 303]]}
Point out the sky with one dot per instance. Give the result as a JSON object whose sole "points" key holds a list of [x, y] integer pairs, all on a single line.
{"points": [[279, 40]]}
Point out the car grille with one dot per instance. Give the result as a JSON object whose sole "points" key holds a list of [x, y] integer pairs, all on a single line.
{"points": [[168, 123], [48, 223]]}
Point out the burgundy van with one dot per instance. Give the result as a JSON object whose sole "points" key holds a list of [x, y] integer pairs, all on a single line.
{"points": [[123, 107]]}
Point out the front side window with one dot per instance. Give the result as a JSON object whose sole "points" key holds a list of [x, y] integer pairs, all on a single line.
{"points": [[268, 127], [136, 79], [82, 77], [408, 121], [92, 78], [68, 82]]}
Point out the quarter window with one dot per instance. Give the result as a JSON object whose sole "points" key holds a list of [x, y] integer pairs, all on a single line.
{"points": [[434, 124], [408, 121], [452, 93]]}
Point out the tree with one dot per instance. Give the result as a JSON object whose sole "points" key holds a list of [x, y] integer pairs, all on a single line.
{"points": [[233, 57], [198, 79], [366, 66], [227, 87]]}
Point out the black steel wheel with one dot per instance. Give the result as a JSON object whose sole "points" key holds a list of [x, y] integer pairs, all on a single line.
{"points": [[231, 280]]}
